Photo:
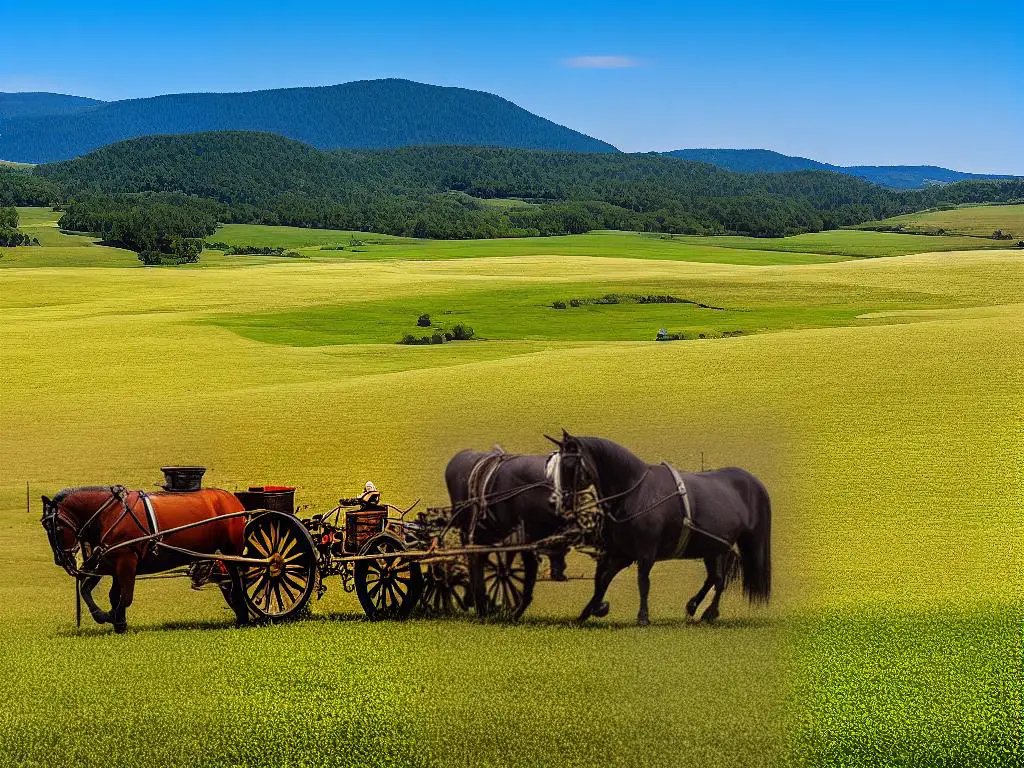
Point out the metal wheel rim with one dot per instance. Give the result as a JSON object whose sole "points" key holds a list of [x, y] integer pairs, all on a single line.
{"points": [[276, 589], [388, 584], [504, 577], [447, 590]]}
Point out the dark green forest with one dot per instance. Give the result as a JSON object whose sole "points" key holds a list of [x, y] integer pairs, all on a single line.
{"points": [[362, 114], [156, 193], [9, 234]]}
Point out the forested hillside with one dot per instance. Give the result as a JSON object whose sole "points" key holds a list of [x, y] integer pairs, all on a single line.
{"points": [[364, 114], [432, 191], [766, 161], [447, 192]]}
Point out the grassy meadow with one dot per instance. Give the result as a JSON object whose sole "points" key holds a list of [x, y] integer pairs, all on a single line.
{"points": [[879, 400], [976, 220]]}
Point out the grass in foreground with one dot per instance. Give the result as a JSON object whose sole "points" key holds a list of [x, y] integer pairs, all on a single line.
{"points": [[896, 550]]}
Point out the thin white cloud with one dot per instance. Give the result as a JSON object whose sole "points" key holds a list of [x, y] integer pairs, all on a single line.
{"points": [[602, 62]]}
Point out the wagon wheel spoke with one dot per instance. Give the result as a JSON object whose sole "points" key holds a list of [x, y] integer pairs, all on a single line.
{"points": [[376, 587], [267, 543], [290, 543], [282, 585], [259, 547]]}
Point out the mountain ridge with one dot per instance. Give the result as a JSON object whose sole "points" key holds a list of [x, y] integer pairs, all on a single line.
{"points": [[42, 103], [769, 161], [363, 114]]}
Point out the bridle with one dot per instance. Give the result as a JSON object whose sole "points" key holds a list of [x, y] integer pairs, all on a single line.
{"points": [[55, 520], [584, 476]]}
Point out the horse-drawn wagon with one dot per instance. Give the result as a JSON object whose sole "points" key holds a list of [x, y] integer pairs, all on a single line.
{"points": [[267, 561], [482, 552]]}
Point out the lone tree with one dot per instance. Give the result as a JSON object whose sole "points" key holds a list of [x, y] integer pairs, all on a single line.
{"points": [[423, 321]]}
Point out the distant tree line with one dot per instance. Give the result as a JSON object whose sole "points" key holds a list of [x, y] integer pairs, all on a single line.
{"points": [[153, 192], [9, 234], [162, 229]]}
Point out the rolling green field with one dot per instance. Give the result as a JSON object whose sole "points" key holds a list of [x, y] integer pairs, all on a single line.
{"points": [[977, 220], [334, 245], [878, 399]]}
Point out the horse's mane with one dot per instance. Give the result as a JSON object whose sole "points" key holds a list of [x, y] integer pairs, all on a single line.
{"points": [[611, 451], [65, 492]]}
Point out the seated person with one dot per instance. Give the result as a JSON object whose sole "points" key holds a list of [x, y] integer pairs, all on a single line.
{"points": [[370, 499]]}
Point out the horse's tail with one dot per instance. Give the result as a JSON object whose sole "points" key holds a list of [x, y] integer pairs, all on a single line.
{"points": [[756, 553]]}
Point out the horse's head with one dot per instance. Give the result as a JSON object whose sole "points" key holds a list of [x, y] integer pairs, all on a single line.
{"points": [[62, 528], [569, 469]]}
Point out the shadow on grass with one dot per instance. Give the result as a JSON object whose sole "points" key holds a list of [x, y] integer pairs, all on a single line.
{"points": [[468, 618]]}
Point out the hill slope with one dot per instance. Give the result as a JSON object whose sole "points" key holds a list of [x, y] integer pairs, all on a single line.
{"points": [[767, 161], [15, 105], [363, 114], [436, 191], [440, 191]]}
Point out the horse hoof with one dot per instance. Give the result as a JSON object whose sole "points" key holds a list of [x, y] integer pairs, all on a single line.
{"points": [[709, 617], [120, 628], [559, 577], [691, 608], [101, 617], [643, 621], [602, 610]]}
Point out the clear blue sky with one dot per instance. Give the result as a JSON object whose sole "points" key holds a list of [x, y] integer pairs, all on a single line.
{"points": [[846, 81]]}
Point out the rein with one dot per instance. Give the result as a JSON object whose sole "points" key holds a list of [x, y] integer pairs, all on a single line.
{"points": [[55, 514], [555, 467]]}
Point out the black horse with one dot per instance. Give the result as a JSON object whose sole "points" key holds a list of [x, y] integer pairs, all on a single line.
{"points": [[650, 513], [499, 495]]}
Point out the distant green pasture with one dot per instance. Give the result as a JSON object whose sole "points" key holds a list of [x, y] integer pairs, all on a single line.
{"points": [[850, 243], [630, 245], [979, 220], [526, 313]]}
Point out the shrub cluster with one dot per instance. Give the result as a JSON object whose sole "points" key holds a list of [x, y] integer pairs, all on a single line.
{"points": [[664, 335], [630, 298], [252, 250], [459, 332]]}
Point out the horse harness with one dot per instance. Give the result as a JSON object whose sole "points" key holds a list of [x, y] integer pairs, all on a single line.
{"points": [[92, 555], [689, 526], [480, 477]]}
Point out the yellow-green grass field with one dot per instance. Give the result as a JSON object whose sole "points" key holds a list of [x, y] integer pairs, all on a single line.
{"points": [[64, 249], [977, 220], [889, 439]]}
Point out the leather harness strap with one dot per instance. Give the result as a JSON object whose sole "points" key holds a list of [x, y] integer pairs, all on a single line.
{"points": [[688, 525], [154, 526], [684, 535], [479, 479]]}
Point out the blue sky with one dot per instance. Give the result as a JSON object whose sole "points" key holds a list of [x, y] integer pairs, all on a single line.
{"points": [[843, 81]]}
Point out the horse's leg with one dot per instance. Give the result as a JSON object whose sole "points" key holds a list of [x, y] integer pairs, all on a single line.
{"points": [[607, 567], [87, 586], [719, 576], [643, 581], [694, 602], [237, 598], [557, 559], [122, 591]]}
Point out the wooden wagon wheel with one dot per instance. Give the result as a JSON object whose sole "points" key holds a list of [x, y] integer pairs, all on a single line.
{"points": [[388, 587], [280, 589], [503, 584], [446, 588]]}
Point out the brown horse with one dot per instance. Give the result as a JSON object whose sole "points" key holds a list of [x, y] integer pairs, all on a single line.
{"points": [[104, 522]]}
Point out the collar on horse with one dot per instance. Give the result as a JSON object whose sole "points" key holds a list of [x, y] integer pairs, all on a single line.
{"points": [[54, 517], [553, 471]]}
